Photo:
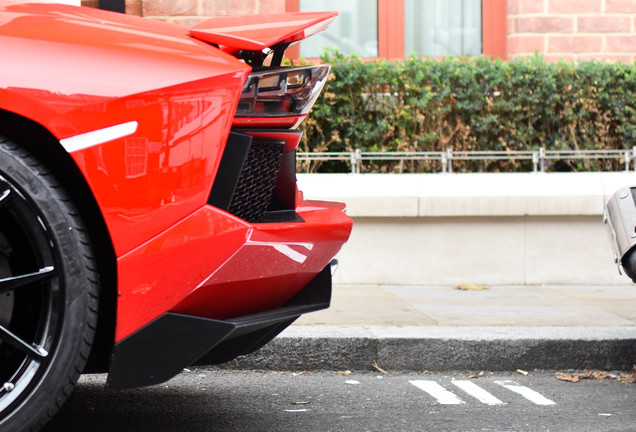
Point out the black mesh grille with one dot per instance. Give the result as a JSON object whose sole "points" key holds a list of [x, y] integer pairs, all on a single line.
{"points": [[253, 192]]}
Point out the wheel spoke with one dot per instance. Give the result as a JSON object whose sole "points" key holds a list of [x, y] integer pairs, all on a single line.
{"points": [[22, 345], [3, 196], [11, 283]]}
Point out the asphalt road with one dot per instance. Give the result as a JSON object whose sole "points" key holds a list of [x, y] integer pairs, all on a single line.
{"points": [[211, 400]]}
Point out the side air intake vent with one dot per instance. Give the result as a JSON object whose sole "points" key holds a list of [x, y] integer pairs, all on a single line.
{"points": [[253, 192], [256, 180]]}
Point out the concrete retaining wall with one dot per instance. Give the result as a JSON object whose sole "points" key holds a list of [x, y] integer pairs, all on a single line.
{"points": [[439, 229]]}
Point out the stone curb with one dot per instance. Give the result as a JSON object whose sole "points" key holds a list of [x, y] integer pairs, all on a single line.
{"points": [[302, 348]]}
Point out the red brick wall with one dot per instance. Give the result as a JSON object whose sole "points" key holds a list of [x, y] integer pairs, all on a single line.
{"points": [[573, 29], [90, 3], [190, 12]]}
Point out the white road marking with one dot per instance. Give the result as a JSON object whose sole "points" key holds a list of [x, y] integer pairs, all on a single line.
{"points": [[477, 392], [442, 395], [446, 397], [526, 392]]}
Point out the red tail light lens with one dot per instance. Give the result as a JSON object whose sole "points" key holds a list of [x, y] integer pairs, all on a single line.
{"points": [[281, 96]]}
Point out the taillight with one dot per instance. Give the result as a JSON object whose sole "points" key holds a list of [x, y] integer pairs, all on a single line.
{"points": [[280, 97]]}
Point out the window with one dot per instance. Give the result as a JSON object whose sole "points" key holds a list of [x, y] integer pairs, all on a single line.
{"points": [[442, 27], [355, 31], [397, 28]]}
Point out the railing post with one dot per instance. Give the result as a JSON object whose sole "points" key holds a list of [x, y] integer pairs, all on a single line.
{"points": [[535, 161], [352, 161], [444, 161], [627, 160], [357, 160], [634, 156], [542, 159], [449, 155]]}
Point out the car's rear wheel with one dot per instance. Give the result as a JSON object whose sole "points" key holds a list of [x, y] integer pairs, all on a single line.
{"points": [[48, 292]]}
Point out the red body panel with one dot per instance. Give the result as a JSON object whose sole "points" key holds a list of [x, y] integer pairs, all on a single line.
{"points": [[146, 182], [105, 69], [80, 70], [257, 32], [62, 65], [268, 122], [275, 262], [217, 266]]}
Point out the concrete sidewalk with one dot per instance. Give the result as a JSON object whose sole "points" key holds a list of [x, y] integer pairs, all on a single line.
{"points": [[442, 328]]}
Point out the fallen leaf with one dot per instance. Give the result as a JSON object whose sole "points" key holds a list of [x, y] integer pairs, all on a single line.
{"points": [[589, 373], [345, 373], [471, 287], [567, 377], [629, 377], [479, 375], [301, 403], [522, 372], [602, 375]]}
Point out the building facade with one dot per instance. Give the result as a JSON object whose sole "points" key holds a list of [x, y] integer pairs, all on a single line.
{"points": [[568, 29]]}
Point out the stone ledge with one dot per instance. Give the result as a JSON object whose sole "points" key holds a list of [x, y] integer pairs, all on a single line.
{"points": [[481, 194]]}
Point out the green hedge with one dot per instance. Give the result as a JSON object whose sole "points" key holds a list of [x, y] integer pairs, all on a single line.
{"points": [[472, 103]]}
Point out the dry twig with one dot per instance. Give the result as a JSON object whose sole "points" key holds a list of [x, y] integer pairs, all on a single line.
{"points": [[382, 371]]}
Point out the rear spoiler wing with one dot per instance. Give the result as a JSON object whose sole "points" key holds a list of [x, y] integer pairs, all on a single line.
{"points": [[261, 32]]}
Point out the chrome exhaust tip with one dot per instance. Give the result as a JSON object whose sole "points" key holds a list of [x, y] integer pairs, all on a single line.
{"points": [[333, 265]]}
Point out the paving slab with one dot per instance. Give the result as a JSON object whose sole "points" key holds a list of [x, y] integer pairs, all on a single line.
{"points": [[508, 305]]}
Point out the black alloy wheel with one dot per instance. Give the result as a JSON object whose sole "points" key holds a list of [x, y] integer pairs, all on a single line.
{"points": [[48, 292]]}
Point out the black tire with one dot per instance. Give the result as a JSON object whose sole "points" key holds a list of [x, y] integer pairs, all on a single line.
{"points": [[48, 292]]}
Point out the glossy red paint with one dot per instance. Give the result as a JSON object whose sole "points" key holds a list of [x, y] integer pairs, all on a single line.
{"points": [[156, 276], [80, 59], [275, 262], [290, 138], [78, 70], [97, 64], [147, 182], [268, 122], [215, 265], [258, 32]]}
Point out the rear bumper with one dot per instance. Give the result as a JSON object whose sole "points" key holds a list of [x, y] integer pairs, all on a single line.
{"points": [[214, 265], [161, 349], [620, 216]]}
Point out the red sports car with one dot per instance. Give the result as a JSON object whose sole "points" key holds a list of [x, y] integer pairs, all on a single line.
{"points": [[149, 213]]}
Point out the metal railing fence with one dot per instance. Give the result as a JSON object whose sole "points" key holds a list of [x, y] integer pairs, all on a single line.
{"points": [[538, 157]]}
